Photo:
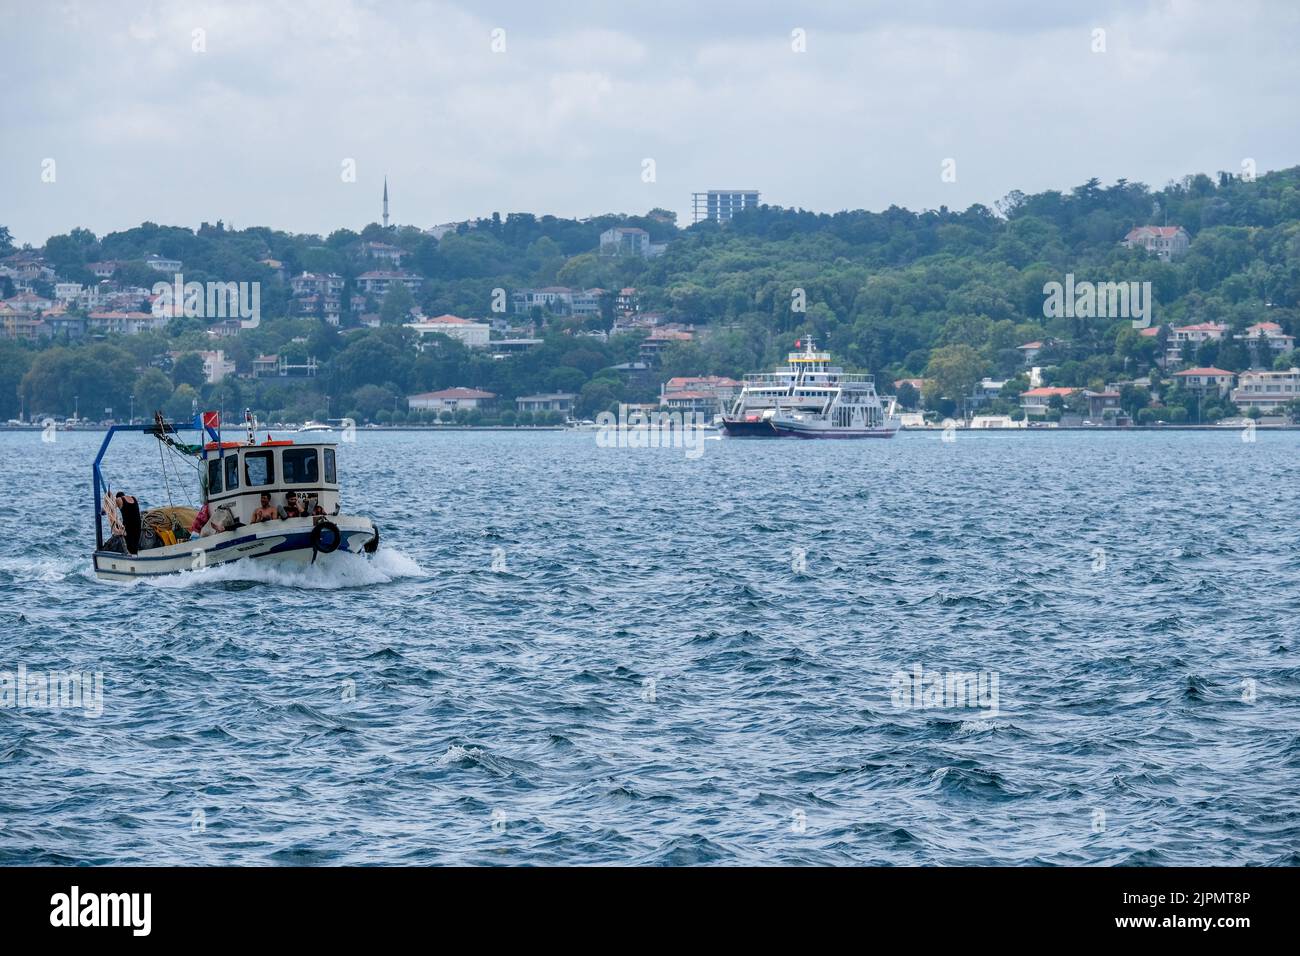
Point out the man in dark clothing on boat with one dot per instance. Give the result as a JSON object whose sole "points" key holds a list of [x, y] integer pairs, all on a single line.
{"points": [[116, 533], [130, 510]]}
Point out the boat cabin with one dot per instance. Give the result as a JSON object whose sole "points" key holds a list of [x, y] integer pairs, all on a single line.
{"points": [[236, 476]]}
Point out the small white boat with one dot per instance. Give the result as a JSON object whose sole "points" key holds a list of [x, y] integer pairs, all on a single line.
{"points": [[233, 477], [316, 427]]}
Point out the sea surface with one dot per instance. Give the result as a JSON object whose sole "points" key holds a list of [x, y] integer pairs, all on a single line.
{"points": [[566, 654]]}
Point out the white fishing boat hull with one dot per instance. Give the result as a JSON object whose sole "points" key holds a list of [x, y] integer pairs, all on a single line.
{"points": [[289, 541]]}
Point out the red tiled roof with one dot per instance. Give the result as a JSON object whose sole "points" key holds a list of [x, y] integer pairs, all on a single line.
{"points": [[675, 334], [1048, 391], [1201, 327], [1031, 345], [1203, 371]]}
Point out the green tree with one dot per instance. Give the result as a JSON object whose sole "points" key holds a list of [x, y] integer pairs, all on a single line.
{"points": [[954, 370], [182, 403], [152, 389], [396, 307], [188, 370], [14, 363]]}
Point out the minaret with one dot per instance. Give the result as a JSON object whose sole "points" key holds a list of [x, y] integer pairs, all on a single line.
{"points": [[385, 202]]}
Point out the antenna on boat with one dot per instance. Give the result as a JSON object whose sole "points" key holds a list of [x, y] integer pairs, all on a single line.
{"points": [[251, 421]]}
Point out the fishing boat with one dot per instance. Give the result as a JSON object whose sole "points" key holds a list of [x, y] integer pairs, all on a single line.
{"points": [[851, 410], [804, 389], [232, 476]]}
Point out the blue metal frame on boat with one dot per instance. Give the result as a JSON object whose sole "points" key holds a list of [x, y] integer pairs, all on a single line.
{"points": [[153, 428]]}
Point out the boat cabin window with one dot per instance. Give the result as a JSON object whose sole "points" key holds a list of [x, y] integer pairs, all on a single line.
{"points": [[259, 468], [331, 475], [300, 466], [215, 484]]}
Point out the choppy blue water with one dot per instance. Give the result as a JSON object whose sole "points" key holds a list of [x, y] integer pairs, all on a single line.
{"points": [[680, 661]]}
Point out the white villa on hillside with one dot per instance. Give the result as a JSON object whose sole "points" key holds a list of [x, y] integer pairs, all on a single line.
{"points": [[1202, 380], [1036, 401], [548, 402], [472, 334], [1261, 333], [1266, 391], [1167, 242], [449, 399]]}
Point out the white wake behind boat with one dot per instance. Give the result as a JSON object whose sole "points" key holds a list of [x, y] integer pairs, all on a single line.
{"points": [[233, 476]]}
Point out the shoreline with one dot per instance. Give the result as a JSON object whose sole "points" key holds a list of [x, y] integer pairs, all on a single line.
{"points": [[933, 428]]}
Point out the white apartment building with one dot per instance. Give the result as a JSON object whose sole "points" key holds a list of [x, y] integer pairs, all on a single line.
{"points": [[379, 281], [721, 204], [162, 263], [1266, 391], [449, 399], [472, 334], [1268, 334], [317, 283], [1191, 335]]}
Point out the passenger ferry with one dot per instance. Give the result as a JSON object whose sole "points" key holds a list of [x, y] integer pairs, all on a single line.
{"points": [[853, 411], [801, 396], [233, 476]]}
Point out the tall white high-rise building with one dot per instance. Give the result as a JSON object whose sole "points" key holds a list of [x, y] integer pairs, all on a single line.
{"points": [[721, 204]]}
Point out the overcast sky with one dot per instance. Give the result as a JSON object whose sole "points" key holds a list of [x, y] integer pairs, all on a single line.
{"points": [[255, 128]]}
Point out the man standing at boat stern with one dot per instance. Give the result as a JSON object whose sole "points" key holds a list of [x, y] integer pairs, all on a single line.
{"points": [[130, 509]]}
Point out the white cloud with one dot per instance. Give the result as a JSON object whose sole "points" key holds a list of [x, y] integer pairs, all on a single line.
{"points": [[253, 130]]}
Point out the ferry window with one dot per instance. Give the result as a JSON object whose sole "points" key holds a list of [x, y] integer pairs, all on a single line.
{"points": [[214, 476], [299, 466], [331, 475], [232, 472], [259, 468]]}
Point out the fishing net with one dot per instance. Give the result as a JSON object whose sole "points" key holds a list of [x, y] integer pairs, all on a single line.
{"points": [[175, 519]]}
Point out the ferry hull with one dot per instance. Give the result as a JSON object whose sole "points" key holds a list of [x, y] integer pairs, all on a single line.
{"points": [[287, 541], [737, 428], [794, 430]]}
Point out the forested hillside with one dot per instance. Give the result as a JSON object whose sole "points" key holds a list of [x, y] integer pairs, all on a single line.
{"points": [[945, 295]]}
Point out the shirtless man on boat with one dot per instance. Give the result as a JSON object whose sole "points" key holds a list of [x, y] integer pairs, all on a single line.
{"points": [[266, 512]]}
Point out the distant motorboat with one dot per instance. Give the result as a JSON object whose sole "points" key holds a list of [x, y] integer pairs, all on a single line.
{"points": [[316, 427]]}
